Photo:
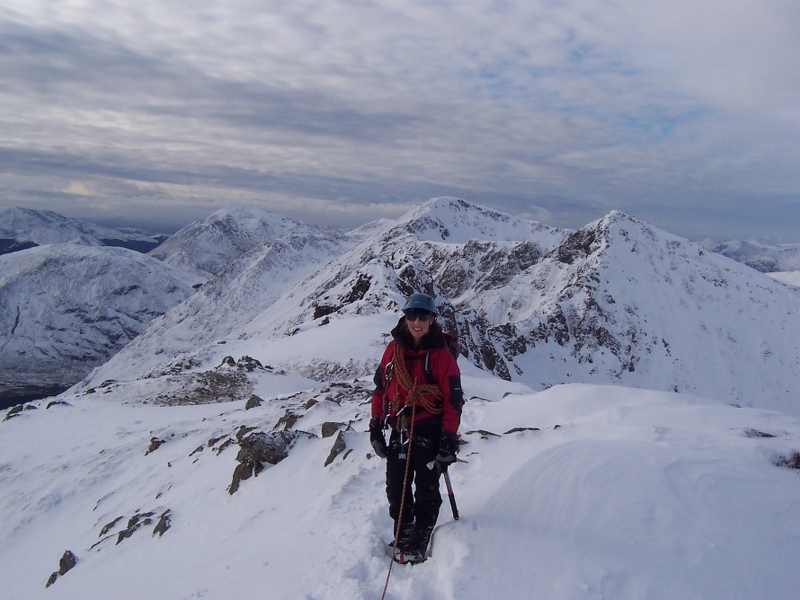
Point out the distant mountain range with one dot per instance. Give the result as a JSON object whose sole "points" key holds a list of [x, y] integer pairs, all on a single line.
{"points": [[762, 256], [617, 302], [22, 228], [73, 294]]}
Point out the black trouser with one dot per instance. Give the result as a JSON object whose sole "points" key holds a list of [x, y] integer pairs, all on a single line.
{"points": [[423, 506]]}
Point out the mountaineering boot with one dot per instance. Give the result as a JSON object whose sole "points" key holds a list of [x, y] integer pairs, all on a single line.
{"points": [[415, 551], [409, 558], [406, 531]]}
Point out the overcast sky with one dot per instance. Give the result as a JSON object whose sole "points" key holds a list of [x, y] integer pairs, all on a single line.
{"points": [[683, 113]]}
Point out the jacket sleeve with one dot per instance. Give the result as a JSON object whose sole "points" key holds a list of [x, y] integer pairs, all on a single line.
{"points": [[449, 376], [378, 409]]}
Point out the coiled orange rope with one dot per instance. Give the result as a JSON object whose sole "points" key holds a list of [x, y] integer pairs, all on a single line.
{"points": [[426, 395]]}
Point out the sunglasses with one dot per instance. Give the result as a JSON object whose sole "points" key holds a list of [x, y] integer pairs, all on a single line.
{"points": [[418, 315]]}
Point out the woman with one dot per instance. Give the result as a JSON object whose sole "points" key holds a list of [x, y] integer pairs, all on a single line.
{"points": [[418, 397]]}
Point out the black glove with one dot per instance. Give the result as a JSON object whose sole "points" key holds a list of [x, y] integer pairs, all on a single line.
{"points": [[448, 448], [376, 438]]}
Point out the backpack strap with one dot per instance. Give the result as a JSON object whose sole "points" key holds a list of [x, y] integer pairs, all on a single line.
{"points": [[426, 368]]}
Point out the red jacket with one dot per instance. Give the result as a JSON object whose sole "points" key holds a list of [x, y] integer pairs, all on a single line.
{"points": [[443, 370]]}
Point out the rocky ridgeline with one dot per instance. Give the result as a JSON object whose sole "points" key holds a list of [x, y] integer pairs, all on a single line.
{"points": [[528, 303], [182, 384]]}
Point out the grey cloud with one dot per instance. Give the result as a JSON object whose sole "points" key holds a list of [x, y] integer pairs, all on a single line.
{"points": [[75, 67], [567, 109]]}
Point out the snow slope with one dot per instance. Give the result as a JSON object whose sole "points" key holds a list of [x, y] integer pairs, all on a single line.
{"points": [[601, 492], [638, 306], [217, 314], [787, 277]]}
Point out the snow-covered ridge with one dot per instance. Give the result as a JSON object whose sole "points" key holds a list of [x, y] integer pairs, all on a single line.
{"points": [[454, 220], [621, 301], [616, 302], [634, 491], [285, 286], [225, 307]]}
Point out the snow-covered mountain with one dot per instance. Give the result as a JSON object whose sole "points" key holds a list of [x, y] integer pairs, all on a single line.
{"points": [[315, 285], [22, 228], [762, 256], [223, 453], [94, 301], [205, 247], [529, 304], [603, 307], [65, 308]]}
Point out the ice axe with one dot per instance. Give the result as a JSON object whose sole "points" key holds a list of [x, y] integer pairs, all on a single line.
{"points": [[450, 493]]}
